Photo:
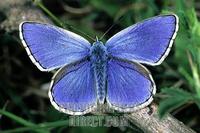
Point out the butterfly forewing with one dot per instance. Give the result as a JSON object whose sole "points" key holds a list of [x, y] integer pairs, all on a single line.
{"points": [[50, 47], [146, 42], [130, 85]]}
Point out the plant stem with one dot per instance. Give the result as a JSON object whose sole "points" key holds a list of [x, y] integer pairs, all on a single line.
{"points": [[16, 118], [58, 22], [46, 125], [55, 19], [195, 74], [20, 120]]}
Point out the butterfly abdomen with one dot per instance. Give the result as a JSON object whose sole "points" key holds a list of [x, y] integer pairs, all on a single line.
{"points": [[99, 60]]}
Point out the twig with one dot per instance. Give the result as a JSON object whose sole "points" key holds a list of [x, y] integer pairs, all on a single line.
{"points": [[147, 119]]}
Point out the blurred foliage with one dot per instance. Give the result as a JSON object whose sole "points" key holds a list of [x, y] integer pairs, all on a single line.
{"points": [[23, 87], [187, 53]]}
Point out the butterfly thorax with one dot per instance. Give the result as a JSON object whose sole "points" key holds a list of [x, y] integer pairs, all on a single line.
{"points": [[98, 57]]}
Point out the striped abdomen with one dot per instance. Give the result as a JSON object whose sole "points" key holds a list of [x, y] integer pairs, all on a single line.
{"points": [[100, 77], [98, 57]]}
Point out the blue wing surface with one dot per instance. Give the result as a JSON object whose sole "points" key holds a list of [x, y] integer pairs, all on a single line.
{"points": [[130, 86], [50, 47], [72, 89], [147, 42]]}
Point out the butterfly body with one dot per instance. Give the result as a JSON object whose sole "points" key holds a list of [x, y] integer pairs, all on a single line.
{"points": [[95, 73], [98, 58]]}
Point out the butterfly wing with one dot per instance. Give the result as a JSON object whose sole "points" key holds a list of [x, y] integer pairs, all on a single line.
{"points": [[50, 47], [147, 42], [72, 89], [130, 86]]}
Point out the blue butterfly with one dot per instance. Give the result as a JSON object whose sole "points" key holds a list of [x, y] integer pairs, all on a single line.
{"points": [[96, 74]]}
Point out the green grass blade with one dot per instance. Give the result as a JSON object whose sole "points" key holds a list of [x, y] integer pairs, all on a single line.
{"points": [[21, 120]]}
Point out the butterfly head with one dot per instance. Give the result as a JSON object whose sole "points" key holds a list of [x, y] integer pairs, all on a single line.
{"points": [[98, 51], [98, 46]]}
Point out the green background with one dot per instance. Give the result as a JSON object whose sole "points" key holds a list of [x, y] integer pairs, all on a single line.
{"points": [[23, 95]]}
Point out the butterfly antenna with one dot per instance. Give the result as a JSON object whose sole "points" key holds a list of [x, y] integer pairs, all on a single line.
{"points": [[75, 29], [120, 18], [55, 19]]}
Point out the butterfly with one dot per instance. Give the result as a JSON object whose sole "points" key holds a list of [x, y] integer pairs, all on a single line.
{"points": [[95, 74]]}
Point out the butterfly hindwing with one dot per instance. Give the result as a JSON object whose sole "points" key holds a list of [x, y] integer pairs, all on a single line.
{"points": [[146, 42], [130, 86], [50, 47], [73, 89]]}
